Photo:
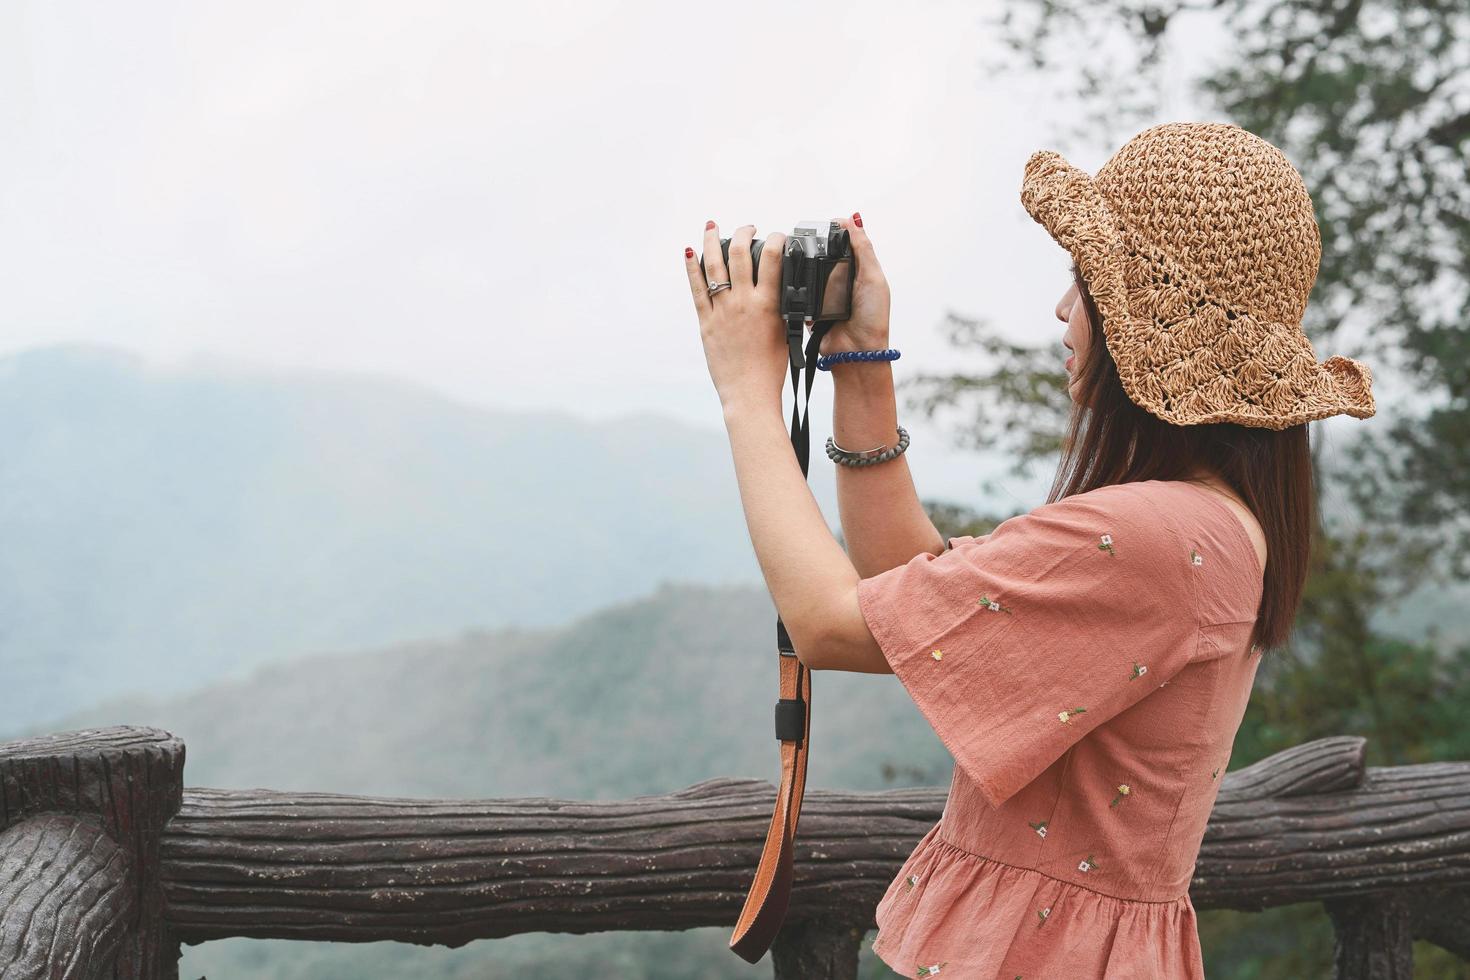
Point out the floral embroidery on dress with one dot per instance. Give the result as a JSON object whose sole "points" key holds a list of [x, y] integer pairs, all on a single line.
{"points": [[1195, 558], [1107, 545], [1042, 914], [1215, 773], [1139, 670], [994, 606], [1123, 791], [1086, 864], [1039, 826], [938, 655], [912, 881], [929, 971], [1066, 716]]}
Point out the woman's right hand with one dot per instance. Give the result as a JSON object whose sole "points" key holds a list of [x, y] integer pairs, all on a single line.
{"points": [[867, 328]]}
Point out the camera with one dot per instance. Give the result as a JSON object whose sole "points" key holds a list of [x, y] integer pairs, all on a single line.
{"points": [[817, 271]]}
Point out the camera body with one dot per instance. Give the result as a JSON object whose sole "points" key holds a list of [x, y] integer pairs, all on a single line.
{"points": [[817, 271]]}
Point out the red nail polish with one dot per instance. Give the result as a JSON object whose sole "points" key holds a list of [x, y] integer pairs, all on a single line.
{"points": [[688, 252], [857, 219], [708, 225]]}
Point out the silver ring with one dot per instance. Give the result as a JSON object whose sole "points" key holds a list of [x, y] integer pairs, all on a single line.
{"points": [[715, 287]]}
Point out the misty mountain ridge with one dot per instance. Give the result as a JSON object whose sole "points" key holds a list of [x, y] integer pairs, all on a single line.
{"points": [[643, 697], [646, 696], [167, 528]]}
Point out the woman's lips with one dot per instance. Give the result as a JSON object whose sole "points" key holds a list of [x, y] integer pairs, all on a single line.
{"points": [[1069, 362]]}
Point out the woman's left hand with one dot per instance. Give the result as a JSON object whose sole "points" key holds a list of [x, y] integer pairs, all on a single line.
{"points": [[741, 327]]}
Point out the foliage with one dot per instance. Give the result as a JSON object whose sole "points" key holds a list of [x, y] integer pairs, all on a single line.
{"points": [[1370, 100]]}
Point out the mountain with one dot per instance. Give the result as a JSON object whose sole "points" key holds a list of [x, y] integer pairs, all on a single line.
{"points": [[163, 529], [591, 710], [643, 697]]}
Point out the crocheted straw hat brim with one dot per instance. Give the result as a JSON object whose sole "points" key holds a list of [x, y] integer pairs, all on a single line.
{"points": [[1185, 354]]}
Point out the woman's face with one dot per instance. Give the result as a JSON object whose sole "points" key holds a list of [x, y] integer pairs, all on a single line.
{"points": [[1078, 335]]}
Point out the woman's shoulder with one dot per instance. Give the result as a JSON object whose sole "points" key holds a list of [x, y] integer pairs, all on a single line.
{"points": [[1186, 543], [1154, 510], [1138, 494], [1125, 539], [1175, 505]]}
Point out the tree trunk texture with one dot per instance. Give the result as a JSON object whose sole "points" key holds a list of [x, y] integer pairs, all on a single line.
{"points": [[1398, 827], [1308, 824], [817, 951], [1384, 848], [1375, 938], [74, 892], [351, 868], [130, 781]]}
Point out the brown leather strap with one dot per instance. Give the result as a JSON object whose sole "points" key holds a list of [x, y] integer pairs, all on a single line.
{"points": [[770, 892], [765, 905]]}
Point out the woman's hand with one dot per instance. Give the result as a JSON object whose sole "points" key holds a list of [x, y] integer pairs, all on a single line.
{"points": [[741, 327], [867, 328]]}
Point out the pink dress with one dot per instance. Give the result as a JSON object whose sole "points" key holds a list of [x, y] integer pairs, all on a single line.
{"points": [[1087, 665]]}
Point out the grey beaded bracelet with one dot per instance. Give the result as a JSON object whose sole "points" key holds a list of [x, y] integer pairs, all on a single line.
{"points": [[870, 456]]}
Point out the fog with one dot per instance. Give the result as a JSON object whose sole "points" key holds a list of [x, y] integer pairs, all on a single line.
{"points": [[493, 200]]}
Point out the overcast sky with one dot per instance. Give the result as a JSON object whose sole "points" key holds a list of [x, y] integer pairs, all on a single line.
{"points": [[493, 199]]}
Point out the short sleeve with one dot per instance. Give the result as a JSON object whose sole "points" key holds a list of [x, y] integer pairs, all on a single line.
{"points": [[1016, 646]]}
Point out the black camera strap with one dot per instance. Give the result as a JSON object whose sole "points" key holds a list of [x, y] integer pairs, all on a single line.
{"points": [[770, 892]]}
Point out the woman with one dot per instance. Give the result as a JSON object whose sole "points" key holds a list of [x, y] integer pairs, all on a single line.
{"points": [[1087, 663]]}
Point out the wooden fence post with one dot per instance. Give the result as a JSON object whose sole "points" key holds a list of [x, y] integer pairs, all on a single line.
{"points": [[821, 949], [67, 894], [82, 814], [107, 864], [1375, 939]]}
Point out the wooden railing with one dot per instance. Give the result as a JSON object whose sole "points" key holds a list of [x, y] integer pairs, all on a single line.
{"points": [[107, 863]]}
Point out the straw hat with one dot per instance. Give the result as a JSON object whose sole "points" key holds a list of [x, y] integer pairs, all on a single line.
{"points": [[1199, 245]]}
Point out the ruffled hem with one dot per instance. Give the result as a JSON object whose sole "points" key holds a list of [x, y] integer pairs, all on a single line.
{"points": [[973, 916]]}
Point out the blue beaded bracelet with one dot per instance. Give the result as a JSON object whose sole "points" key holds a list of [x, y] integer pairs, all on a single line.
{"points": [[825, 362]]}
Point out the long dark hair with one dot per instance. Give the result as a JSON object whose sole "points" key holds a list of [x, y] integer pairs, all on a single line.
{"points": [[1112, 440]]}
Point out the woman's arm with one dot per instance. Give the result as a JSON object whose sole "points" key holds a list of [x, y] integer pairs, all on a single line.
{"points": [[882, 519], [810, 577]]}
